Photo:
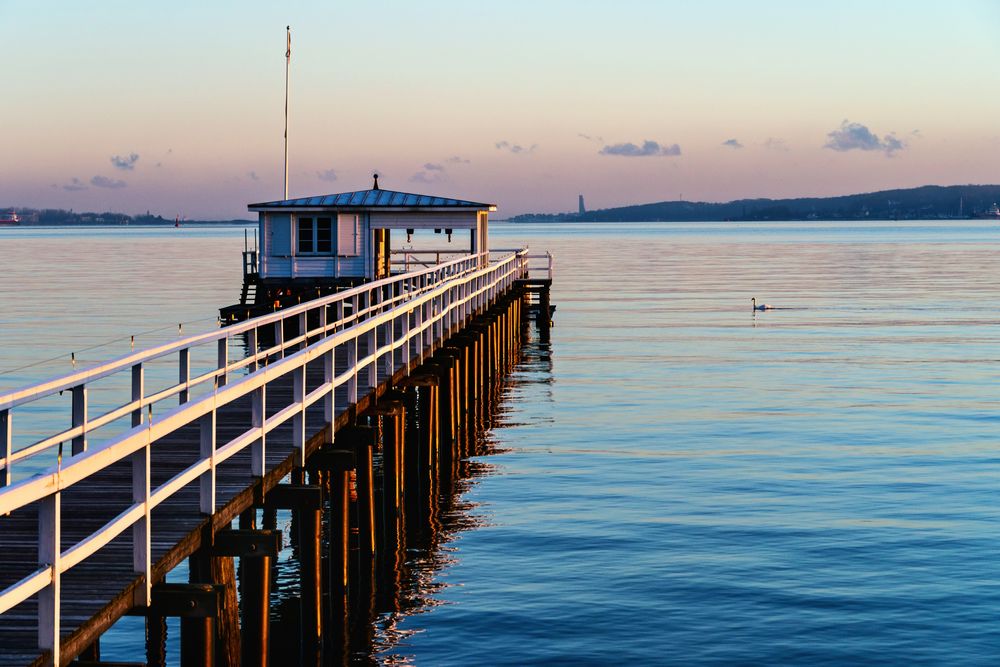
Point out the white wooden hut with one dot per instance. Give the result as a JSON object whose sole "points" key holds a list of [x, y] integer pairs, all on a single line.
{"points": [[310, 246]]}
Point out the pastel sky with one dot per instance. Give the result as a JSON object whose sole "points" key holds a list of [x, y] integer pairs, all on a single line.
{"points": [[176, 107]]}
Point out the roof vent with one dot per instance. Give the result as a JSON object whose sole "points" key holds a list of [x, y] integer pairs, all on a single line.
{"points": [[375, 187]]}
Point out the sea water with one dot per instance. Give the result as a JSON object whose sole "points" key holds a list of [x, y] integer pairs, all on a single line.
{"points": [[674, 478]]}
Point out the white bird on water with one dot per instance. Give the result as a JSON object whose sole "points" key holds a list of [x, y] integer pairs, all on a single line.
{"points": [[763, 306]]}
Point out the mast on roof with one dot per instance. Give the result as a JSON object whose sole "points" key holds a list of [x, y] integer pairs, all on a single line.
{"points": [[288, 60]]}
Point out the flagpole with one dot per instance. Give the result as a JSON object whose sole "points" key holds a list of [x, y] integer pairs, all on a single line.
{"points": [[288, 59]]}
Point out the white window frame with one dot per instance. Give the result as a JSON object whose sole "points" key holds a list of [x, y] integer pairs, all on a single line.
{"points": [[314, 225]]}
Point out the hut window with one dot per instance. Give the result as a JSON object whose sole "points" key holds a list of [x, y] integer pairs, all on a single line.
{"points": [[324, 235], [306, 235], [315, 236]]}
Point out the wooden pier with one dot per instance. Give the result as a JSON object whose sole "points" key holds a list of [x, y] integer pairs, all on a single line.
{"points": [[353, 411]]}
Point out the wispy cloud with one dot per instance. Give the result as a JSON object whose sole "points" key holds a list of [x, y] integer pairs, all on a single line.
{"points": [[775, 144], [455, 159], [649, 148], [732, 143], [430, 166], [328, 175], [252, 175], [595, 139], [126, 163], [426, 177], [855, 136], [75, 185], [105, 182], [515, 148]]}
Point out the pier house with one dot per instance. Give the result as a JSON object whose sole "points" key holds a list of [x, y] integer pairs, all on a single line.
{"points": [[314, 246]]}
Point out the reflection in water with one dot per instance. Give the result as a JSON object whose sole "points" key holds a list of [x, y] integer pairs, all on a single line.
{"points": [[418, 514]]}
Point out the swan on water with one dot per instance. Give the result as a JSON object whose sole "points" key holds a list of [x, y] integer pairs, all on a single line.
{"points": [[763, 306]]}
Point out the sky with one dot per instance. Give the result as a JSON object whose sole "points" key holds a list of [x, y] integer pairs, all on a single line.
{"points": [[177, 108]]}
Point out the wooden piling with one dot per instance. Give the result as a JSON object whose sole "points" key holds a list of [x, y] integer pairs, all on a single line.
{"points": [[339, 528], [156, 640], [227, 624]]}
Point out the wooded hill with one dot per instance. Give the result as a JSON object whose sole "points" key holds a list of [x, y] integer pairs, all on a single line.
{"points": [[929, 202]]}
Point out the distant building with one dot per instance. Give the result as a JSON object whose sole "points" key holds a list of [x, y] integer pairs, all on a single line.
{"points": [[583, 209]]}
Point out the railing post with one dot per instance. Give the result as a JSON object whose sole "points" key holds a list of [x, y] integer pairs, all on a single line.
{"points": [[339, 314], [418, 316], [373, 350], [302, 331], [222, 363], [80, 417], [207, 451], [390, 357], [258, 404], [49, 545], [140, 494], [7, 442], [279, 337], [299, 418], [352, 366], [184, 373], [406, 338], [328, 399], [252, 349], [141, 529]]}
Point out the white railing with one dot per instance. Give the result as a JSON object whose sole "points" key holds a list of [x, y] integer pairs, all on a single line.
{"points": [[540, 266], [411, 260], [413, 312]]}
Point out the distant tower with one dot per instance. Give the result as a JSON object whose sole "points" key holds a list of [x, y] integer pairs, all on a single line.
{"points": [[582, 207]]}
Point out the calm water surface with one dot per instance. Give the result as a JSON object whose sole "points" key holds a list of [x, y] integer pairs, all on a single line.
{"points": [[676, 480]]}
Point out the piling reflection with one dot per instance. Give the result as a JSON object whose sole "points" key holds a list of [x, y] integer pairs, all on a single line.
{"points": [[391, 513]]}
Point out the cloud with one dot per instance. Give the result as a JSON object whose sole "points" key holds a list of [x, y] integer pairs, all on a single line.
{"points": [[253, 176], [891, 144], [515, 148], [75, 185], [647, 149], [105, 182], [429, 166], [425, 177], [599, 140], [454, 159], [125, 163], [328, 175], [775, 144], [732, 143], [855, 136]]}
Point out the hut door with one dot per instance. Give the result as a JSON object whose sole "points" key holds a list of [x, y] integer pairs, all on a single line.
{"points": [[382, 257]]}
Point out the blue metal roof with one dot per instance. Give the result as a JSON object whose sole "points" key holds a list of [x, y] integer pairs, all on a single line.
{"points": [[373, 199]]}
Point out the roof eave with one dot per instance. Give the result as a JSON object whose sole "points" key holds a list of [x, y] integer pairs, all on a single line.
{"points": [[267, 208]]}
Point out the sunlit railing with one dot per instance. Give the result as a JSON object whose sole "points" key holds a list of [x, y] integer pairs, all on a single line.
{"points": [[405, 261], [380, 325]]}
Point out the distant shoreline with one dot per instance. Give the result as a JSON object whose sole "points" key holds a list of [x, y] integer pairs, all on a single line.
{"points": [[537, 221], [928, 202], [121, 225]]}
